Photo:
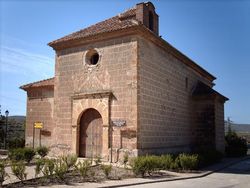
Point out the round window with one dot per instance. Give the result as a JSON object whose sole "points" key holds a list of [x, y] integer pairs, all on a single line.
{"points": [[92, 57]]}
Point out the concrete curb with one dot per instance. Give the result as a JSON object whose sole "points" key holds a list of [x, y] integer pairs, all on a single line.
{"points": [[180, 178]]}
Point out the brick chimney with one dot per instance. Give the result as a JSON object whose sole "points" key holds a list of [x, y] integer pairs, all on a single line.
{"points": [[145, 13]]}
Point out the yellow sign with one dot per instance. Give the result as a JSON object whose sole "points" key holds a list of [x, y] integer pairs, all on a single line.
{"points": [[38, 125]]}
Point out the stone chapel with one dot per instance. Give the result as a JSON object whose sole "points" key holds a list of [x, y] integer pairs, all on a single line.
{"points": [[121, 88]]}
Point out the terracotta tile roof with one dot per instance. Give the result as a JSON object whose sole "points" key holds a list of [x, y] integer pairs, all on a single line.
{"points": [[131, 13], [124, 20], [41, 83]]}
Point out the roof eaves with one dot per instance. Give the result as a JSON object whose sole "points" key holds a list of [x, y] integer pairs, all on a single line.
{"points": [[62, 44], [202, 89], [41, 83]]}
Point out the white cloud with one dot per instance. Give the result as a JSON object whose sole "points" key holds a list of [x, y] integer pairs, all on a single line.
{"points": [[20, 64], [7, 40]]}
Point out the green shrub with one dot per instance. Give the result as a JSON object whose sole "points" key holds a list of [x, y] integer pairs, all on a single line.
{"points": [[98, 160], [175, 165], [188, 161], [83, 168], [20, 154], [166, 161], [39, 166], [18, 169], [235, 145], [107, 170], [148, 164], [3, 173], [69, 160], [1, 133], [92, 174], [16, 143], [139, 165], [154, 164], [143, 165], [16, 154], [125, 159], [28, 153], [48, 168], [42, 151], [60, 169], [208, 157]]}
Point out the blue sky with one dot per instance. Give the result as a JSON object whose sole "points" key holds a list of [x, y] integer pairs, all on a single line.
{"points": [[215, 34]]}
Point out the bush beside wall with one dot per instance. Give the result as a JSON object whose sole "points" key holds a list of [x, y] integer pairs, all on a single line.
{"points": [[188, 162], [146, 165], [235, 145]]}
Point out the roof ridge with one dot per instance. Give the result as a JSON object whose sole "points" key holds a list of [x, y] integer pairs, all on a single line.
{"points": [[93, 25], [123, 14], [110, 22]]}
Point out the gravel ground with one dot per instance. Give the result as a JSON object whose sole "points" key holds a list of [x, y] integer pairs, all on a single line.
{"points": [[96, 174]]}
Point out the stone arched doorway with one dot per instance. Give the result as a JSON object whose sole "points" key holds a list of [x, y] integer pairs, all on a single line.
{"points": [[90, 134]]}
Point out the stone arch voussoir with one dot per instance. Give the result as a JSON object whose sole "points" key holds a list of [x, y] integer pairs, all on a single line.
{"points": [[80, 108]]}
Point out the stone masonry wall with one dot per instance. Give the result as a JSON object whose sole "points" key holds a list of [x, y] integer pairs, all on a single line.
{"points": [[116, 71], [204, 123], [40, 104], [164, 99], [219, 126]]}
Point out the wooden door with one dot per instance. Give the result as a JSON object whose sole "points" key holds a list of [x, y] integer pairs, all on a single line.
{"points": [[90, 138]]}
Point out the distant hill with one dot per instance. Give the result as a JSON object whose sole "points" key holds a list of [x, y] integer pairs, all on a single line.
{"points": [[15, 129], [238, 127], [242, 130], [18, 119]]}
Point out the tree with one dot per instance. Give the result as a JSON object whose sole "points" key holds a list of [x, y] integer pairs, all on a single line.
{"points": [[2, 123], [229, 125]]}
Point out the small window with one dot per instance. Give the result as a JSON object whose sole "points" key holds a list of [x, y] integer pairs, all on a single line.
{"points": [[151, 21], [186, 82], [92, 57]]}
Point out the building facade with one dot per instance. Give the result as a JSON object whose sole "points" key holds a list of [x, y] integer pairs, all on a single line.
{"points": [[120, 88]]}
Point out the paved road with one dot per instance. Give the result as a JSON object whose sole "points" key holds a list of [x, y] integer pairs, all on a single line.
{"points": [[234, 176]]}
